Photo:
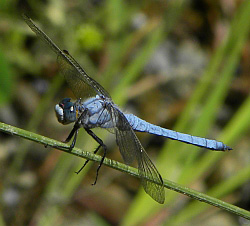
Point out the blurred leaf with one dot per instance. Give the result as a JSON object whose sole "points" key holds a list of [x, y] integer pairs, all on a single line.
{"points": [[7, 79], [90, 37]]}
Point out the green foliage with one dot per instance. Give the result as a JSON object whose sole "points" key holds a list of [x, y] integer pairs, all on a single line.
{"points": [[7, 80], [90, 37]]}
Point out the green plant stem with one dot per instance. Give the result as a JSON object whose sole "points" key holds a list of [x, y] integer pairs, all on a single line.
{"points": [[123, 168]]}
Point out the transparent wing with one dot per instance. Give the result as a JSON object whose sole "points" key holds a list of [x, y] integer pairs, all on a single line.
{"points": [[131, 148], [80, 83], [77, 83]]}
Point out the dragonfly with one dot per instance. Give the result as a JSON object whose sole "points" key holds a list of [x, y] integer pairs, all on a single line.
{"points": [[94, 108]]}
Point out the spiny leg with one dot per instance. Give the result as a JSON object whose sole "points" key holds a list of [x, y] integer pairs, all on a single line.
{"points": [[96, 150], [74, 132], [98, 168], [101, 144]]}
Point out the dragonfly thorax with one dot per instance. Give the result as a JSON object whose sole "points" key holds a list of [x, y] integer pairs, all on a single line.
{"points": [[97, 114], [66, 111], [94, 105]]}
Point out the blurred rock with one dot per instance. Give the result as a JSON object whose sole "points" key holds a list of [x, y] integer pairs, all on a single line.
{"points": [[139, 20], [27, 179], [174, 60], [11, 197]]}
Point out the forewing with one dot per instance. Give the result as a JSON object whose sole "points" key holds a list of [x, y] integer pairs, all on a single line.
{"points": [[76, 82], [131, 148], [81, 84]]}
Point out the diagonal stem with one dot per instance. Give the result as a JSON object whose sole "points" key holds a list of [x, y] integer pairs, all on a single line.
{"points": [[123, 168]]}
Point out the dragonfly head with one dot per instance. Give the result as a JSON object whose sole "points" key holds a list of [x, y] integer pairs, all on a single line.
{"points": [[66, 111]]}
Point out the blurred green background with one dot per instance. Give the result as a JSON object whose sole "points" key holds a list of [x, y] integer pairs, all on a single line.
{"points": [[182, 65]]}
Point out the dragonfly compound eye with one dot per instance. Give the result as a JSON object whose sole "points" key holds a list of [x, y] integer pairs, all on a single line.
{"points": [[59, 113], [65, 111]]}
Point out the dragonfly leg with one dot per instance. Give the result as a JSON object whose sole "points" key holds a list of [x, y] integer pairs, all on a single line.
{"points": [[96, 150], [74, 131], [101, 144], [98, 168], [75, 136]]}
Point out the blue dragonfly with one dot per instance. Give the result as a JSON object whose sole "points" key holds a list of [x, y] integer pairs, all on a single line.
{"points": [[94, 108]]}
